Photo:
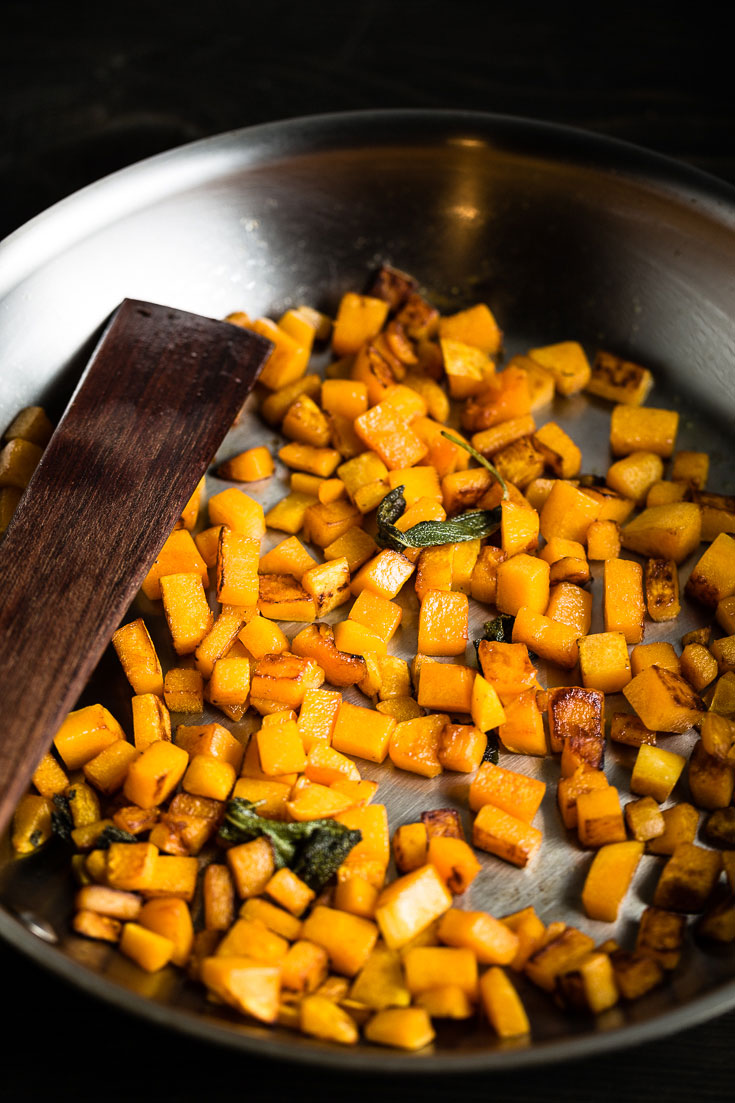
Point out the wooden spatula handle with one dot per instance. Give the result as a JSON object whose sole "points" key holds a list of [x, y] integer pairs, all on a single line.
{"points": [[159, 394]]}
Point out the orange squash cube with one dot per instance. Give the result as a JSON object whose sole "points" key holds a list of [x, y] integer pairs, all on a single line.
{"points": [[507, 667], [522, 580], [383, 429], [348, 939], [248, 466], [137, 655], [551, 640], [239, 512], [567, 363], [410, 846], [410, 904], [414, 744], [359, 318], [251, 987], [428, 966], [504, 835], [179, 555], [571, 605], [376, 613], [107, 770], [237, 568], [492, 942], [288, 359], [252, 866], [148, 949], [518, 794], [475, 326], [656, 772], [568, 513], [600, 817], [522, 731], [455, 861], [623, 601], [280, 749], [443, 623], [502, 1004], [317, 716], [608, 879], [183, 690], [642, 428], [401, 1027], [153, 776], [187, 611], [171, 918], [84, 733], [446, 687], [209, 777], [362, 732], [461, 747], [604, 662], [289, 891]]}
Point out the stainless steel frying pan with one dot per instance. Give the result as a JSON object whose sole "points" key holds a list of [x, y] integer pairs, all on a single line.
{"points": [[566, 236]]}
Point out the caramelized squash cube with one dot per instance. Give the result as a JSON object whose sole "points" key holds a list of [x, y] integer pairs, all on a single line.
{"points": [[600, 817], [619, 380], [688, 879], [504, 835], [590, 985], [663, 700], [661, 936]]}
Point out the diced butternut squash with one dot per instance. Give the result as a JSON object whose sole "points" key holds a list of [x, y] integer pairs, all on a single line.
{"points": [[567, 363], [608, 879], [502, 1004], [518, 794], [670, 531], [600, 817], [347, 939], [138, 658], [604, 661], [365, 733], [409, 904], [663, 700], [642, 428], [504, 835]]}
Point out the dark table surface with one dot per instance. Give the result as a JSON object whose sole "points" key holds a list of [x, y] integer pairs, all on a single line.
{"points": [[93, 89]]}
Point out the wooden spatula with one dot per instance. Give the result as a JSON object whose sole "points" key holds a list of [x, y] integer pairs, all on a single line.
{"points": [[159, 394]]}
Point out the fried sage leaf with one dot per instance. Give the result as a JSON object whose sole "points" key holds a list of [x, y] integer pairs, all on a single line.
{"points": [[427, 534], [313, 850]]}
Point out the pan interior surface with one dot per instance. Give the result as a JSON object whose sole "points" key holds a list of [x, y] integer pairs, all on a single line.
{"points": [[565, 236]]}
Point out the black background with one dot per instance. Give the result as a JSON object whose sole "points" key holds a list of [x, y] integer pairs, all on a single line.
{"points": [[90, 88]]}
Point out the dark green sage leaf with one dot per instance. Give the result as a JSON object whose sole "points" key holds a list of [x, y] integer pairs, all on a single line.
{"points": [[492, 749], [62, 823], [500, 629], [427, 534], [112, 834], [313, 850]]}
